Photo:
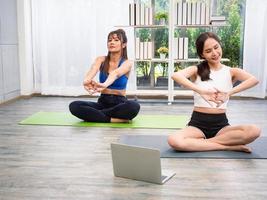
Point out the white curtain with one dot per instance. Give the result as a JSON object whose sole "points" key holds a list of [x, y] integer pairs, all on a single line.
{"points": [[68, 35], [255, 46]]}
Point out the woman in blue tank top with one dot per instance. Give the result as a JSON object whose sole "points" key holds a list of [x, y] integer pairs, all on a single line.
{"points": [[212, 83], [114, 69]]}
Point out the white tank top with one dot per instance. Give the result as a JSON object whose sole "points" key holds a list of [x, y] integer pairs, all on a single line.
{"points": [[220, 79]]}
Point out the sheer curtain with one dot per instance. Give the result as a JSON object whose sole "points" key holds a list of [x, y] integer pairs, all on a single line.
{"points": [[67, 37], [255, 46]]}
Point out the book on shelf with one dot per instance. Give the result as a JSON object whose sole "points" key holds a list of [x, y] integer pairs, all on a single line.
{"points": [[131, 14], [207, 17], [217, 18], [180, 48], [143, 50], [184, 10], [175, 48], [139, 14], [202, 13], [149, 49], [189, 13], [198, 13], [148, 16], [218, 23], [185, 48], [142, 14], [179, 13], [192, 13], [137, 48]]}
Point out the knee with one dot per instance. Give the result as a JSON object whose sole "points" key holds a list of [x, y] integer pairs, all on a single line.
{"points": [[134, 107], [176, 142], [252, 132], [171, 141], [74, 107]]}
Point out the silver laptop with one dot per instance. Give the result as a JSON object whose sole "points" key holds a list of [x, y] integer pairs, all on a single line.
{"points": [[138, 163]]}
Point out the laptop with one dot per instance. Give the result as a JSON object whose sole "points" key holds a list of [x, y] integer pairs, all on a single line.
{"points": [[138, 163]]}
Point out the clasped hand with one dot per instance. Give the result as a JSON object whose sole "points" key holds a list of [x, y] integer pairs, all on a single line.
{"points": [[93, 87], [214, 95]]}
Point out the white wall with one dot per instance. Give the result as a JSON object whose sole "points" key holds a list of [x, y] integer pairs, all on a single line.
{"points": [[9, 65], [255, 45]]}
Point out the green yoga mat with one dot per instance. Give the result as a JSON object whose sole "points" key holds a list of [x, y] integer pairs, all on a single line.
{"points": [[141, 121]]}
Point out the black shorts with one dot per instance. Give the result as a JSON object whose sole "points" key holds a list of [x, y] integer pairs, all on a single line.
{"points": [[209, 124]]}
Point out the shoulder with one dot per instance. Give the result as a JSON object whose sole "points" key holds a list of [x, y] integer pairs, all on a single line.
{"points": [[235, 71], [189, 72], [193, 69], [100, 59]]}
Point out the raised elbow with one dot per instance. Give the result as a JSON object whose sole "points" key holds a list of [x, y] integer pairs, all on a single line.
{"points": [[256, 81], [174, 76]]}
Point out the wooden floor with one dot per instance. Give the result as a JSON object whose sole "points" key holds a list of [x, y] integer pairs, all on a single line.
{"points": [[50, 162]]}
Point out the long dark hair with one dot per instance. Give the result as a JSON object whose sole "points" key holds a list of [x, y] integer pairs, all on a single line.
{"points": [[123, 38], [203, 69]]}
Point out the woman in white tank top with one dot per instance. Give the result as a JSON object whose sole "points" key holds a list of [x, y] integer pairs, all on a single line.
{"points": [[212, 83]]}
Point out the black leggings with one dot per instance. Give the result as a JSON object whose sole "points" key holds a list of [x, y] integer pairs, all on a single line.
{"points": [[108, 106]]}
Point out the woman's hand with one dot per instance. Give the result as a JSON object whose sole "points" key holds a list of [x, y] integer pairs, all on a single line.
{"points": [[221, 97], [210, 95], [99, 87], [89, 86]]}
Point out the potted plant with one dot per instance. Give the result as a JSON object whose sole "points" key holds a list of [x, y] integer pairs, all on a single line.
{"points": [[143, 70], [162, 17], [163, 51], [162, 79]]}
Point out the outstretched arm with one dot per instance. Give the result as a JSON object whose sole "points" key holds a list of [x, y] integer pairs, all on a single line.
{"points": [[88, 80]]}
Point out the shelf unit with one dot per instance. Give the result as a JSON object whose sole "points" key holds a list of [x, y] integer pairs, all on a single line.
{"points": [[171, 26]]}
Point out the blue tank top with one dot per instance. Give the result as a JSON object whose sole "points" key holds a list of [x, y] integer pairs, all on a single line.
{"points": [[118, 84]]}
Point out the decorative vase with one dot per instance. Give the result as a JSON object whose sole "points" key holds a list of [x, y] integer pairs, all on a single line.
{"points": [[162, 56]]}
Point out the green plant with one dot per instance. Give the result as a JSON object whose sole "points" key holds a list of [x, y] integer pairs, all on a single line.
{"points": [[161, 15], [144, 34], [143, 68], [163, 50], [164, 69]]}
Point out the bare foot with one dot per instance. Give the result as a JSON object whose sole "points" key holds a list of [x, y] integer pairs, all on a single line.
{"points": [[117, 120], [242, 148]]}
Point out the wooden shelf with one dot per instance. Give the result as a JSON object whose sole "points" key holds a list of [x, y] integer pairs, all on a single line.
{"points": [[198, 26], [176, 60], [145, 26], [197, 60]]}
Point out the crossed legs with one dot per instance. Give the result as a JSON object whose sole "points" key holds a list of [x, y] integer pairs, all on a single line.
{"points": [[232, 138], [95, 112]]}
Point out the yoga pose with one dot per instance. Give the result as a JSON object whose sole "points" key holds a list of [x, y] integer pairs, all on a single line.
{"points": [[212, 83], [114, 69]]}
